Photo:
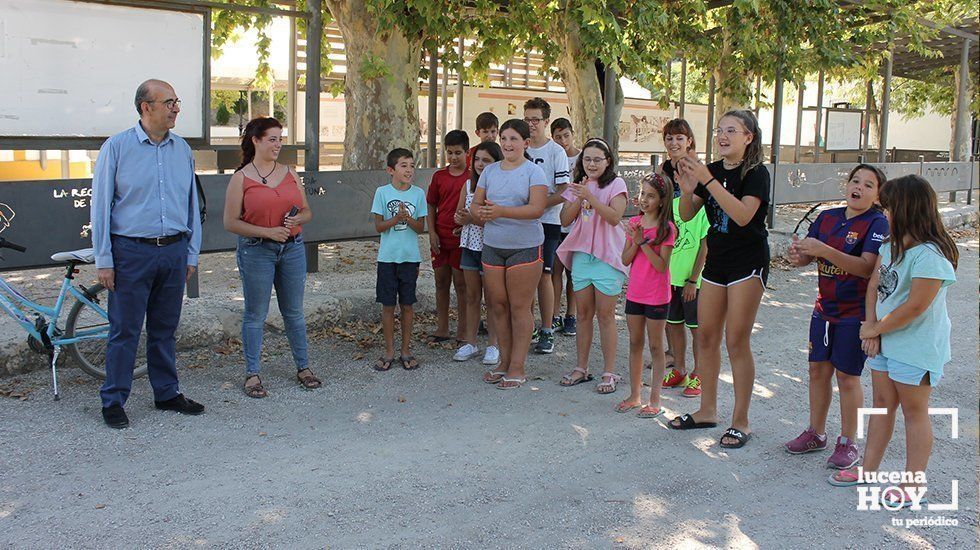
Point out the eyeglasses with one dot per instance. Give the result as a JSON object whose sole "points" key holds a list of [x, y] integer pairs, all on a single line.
{"points": [[728, 131], [171, 104], [589, 160], [534, 121]]}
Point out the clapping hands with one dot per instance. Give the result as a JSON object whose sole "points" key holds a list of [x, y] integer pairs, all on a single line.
{"points": [[691, 171], [488, 211]]}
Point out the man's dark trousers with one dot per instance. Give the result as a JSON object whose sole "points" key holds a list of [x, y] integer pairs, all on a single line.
{"points": [[149, 285]]}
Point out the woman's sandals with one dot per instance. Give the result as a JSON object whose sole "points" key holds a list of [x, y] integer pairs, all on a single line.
{"points": [[255, 390], [308, 380]]}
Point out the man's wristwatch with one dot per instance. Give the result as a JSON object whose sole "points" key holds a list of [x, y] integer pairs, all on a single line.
{"points": [[690, 282]]}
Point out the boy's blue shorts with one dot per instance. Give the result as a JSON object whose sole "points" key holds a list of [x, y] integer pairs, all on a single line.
{"points": [[396, 283], [838, 343]]}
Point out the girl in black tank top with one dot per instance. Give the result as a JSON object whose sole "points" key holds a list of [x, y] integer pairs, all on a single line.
{"points": [[735, 193]]}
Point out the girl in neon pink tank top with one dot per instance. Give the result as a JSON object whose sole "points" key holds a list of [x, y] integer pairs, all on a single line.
{"points": [[649, 243]]}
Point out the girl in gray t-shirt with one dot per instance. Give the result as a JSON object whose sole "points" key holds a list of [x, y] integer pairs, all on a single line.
{"points": [[510, 198]]}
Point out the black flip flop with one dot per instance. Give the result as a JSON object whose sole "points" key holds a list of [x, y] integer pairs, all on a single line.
{"points": [[433, 339], [739, 435], [407, 362], [383, 364], [687, 422]]}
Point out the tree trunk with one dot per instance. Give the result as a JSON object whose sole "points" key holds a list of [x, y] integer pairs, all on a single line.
{"points": [[874, 123], [581, 82], [619, 99], [729, 86], [724, 100], [963, 126], [381, 109], [583, 88]]}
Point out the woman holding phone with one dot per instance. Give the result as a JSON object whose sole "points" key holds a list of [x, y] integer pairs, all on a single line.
{"points": [[265, 206]]}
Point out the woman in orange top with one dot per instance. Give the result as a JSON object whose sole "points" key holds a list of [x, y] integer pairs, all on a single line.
{"points": [[265, 206]]}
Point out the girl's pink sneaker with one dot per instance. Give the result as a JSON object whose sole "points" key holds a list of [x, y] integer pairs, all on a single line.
{"points": [[807, 442], [846, 455]]}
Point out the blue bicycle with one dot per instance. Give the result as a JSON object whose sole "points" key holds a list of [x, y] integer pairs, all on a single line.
{"points": [[86, 327]]}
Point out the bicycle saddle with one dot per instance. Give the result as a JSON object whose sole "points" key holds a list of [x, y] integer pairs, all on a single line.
{"points": [[83, 255]]}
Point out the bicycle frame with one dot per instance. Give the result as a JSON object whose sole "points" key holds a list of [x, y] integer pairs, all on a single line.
{"points": [[12, 302]]}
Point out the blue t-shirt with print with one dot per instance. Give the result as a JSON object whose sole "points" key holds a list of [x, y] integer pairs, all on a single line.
{"points": [[399, 244], [924, 342]]}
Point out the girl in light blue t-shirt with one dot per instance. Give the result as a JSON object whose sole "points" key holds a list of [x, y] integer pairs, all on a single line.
{"points": [[510, 197], [906, 332]]}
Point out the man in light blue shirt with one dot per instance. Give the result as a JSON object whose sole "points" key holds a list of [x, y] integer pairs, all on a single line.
{"points": [[146, 232]]}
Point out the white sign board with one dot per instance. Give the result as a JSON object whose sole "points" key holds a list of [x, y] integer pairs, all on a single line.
{"points": [[71, 69], [843, 130]]}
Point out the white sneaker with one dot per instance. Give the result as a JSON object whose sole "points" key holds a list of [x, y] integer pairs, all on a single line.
{"points": [[466, 352], [492, 356]]}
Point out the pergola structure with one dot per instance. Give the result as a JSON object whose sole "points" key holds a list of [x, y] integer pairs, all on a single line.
{"points": [[957, 45]]}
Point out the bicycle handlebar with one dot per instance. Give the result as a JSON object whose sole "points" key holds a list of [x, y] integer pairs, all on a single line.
{"points": [[4, 243]]}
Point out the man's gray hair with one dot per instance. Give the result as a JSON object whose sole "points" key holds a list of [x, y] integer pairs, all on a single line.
{"points": [[142, 94], [144, 91]]}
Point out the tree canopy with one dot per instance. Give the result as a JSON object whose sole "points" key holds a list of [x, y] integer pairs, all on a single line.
{"points": [[735, 41]]}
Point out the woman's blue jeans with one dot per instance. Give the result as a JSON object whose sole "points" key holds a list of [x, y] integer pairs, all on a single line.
{"points": [[263, 265]]}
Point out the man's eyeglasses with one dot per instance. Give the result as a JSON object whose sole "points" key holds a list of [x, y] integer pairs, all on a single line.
{"points": [[534, 121], [171, 104], [728, 131]]}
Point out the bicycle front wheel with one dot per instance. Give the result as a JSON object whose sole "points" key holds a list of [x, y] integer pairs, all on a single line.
{"points": [[90, 353]]}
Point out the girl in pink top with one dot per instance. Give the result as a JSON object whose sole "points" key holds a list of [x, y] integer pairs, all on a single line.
{"points": [[649, 242], [595, 204]]}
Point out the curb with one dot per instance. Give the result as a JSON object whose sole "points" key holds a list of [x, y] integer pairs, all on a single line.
{"points": [[206, 324]]}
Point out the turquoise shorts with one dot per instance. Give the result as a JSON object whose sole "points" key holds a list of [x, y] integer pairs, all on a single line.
{"points": [[902, 373], [589, 270]]}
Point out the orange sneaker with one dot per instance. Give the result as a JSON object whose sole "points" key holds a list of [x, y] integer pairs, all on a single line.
{"points": [[692, 386], [673, 378]]}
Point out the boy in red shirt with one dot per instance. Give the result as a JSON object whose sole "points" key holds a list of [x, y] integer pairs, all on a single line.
{"points": [[442, 198]]}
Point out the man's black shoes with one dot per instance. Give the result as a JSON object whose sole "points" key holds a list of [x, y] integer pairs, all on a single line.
{"points": [[180, 404], [115, 417]]}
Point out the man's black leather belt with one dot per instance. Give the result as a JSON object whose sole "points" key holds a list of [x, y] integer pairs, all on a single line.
{"points": [[158, 241]]}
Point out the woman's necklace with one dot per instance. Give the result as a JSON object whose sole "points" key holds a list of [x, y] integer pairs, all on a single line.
{"points": [[730, 166], [263, 178]]}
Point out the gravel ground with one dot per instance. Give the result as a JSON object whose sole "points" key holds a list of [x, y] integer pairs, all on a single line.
{"points": [[436, 458]]}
